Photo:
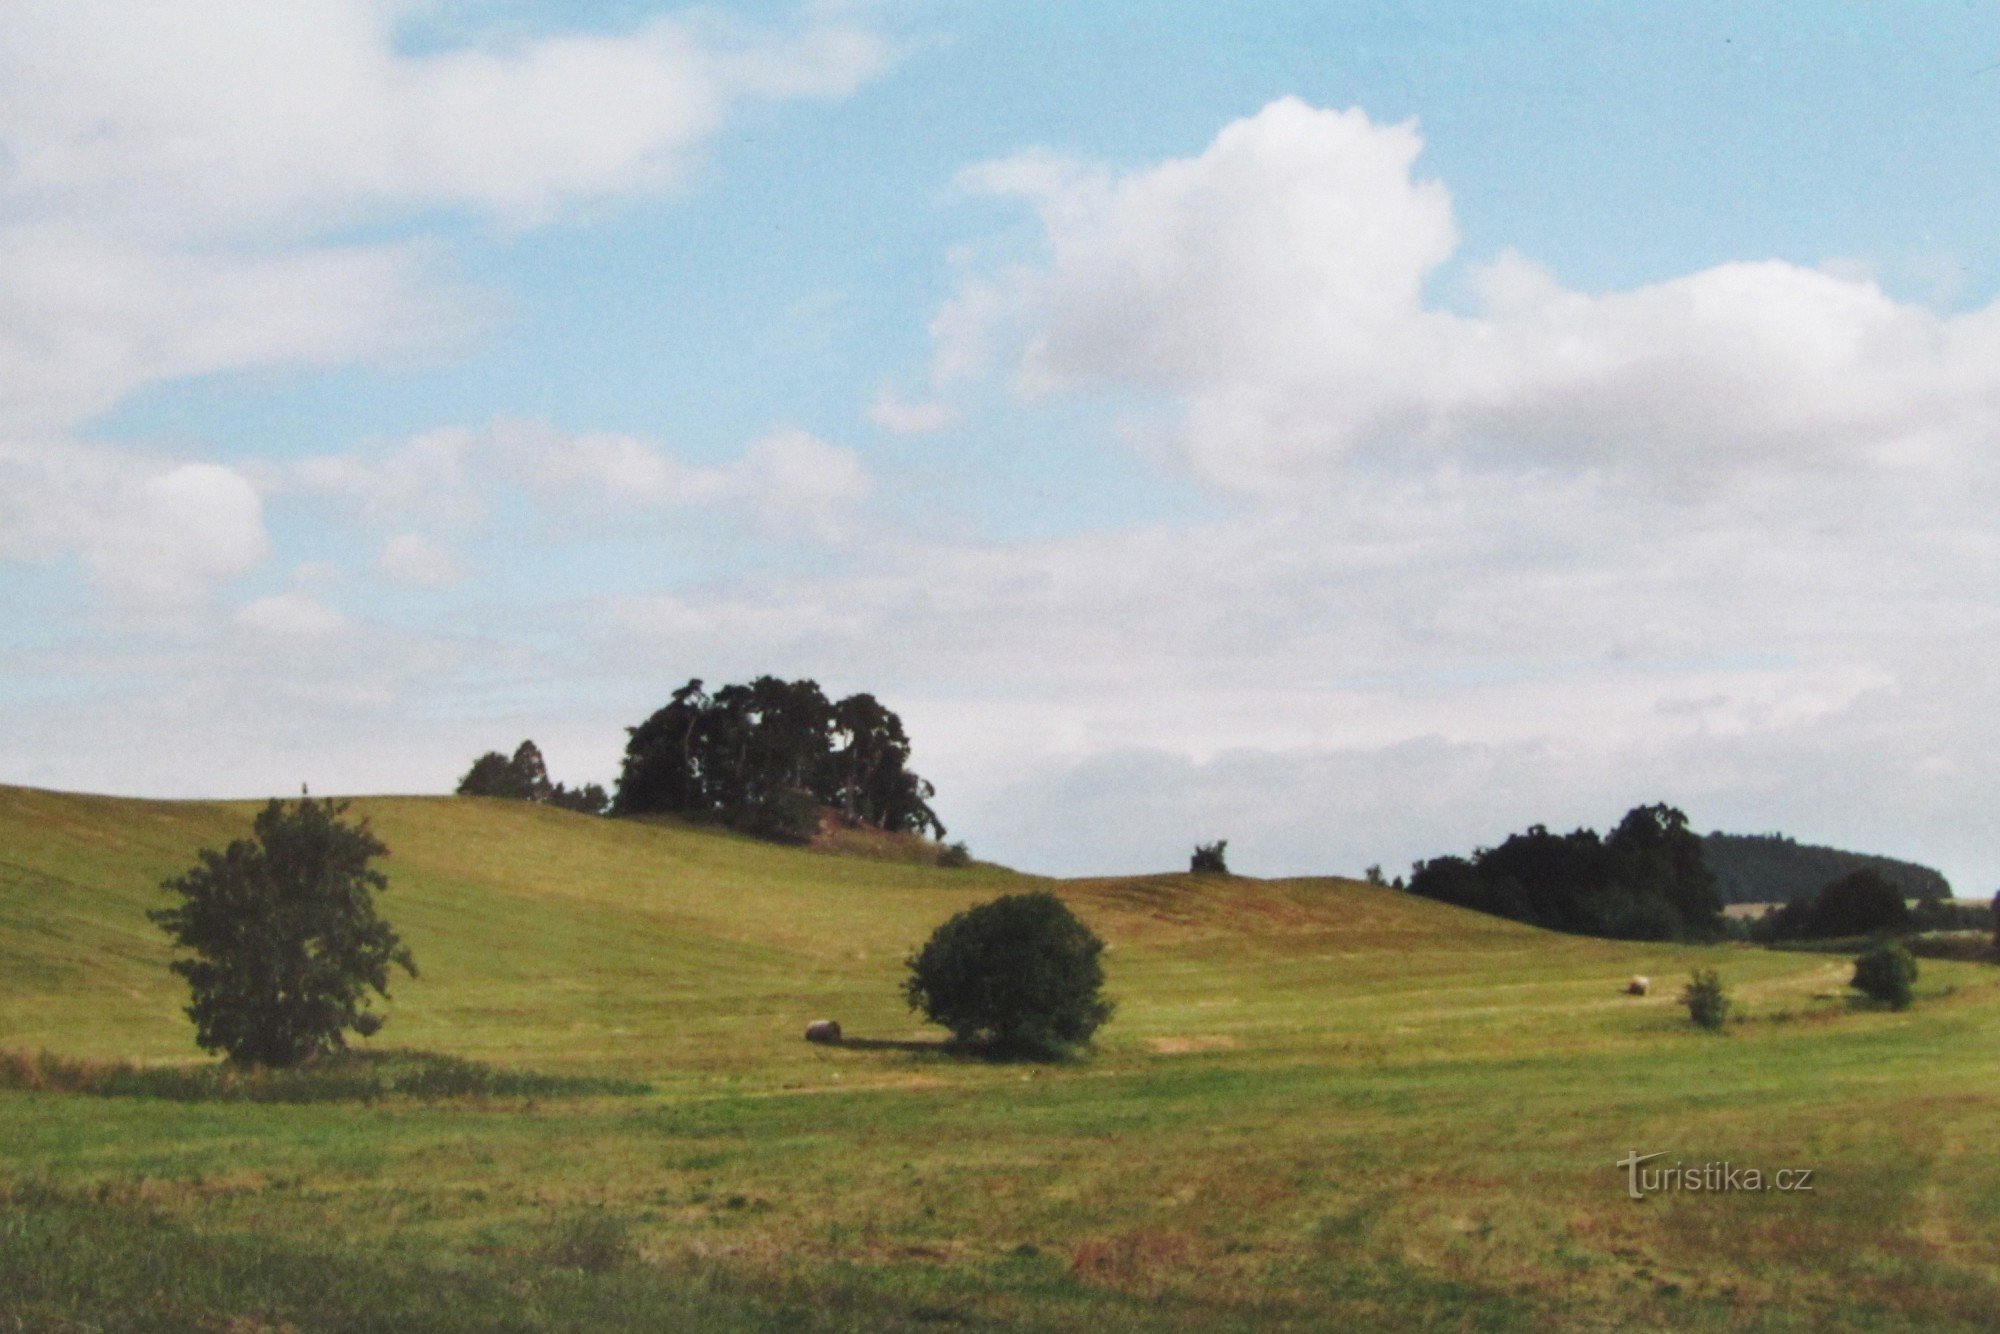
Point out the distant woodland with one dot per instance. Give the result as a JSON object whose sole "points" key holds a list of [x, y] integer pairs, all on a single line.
{"points": [[1771, 868]]}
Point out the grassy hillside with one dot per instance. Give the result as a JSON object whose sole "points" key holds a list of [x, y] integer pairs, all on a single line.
{"points": [[1320, 1102]]}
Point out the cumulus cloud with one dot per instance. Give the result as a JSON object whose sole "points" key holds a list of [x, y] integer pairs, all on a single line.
{"points": [[787, 485], [155, 534], [1274, 288], [235, 115], [180, 185]]}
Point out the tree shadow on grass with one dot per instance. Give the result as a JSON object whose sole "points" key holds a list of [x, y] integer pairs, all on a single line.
{"points": [[349, 1076], [953, 1049]]}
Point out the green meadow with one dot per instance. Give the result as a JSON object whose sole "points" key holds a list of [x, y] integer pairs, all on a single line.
{"points": [[1320, 1104]]}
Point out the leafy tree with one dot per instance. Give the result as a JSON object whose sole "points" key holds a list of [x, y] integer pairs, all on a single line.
{"points": [[1886, 973], [1208, 858], [1661, 859], [1862, 903], [1646, 881], [1706, 1001], [590, 799], [525, 777], [752, 755], [286, 939], [1019, 975]]}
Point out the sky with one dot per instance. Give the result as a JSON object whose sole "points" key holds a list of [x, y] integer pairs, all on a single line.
{"points": [[1356, 432]]}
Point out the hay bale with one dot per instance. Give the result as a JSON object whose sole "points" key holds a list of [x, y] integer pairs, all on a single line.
{"points": [[823, 1030]]}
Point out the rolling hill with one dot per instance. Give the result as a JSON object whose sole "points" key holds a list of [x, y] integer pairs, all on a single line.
{"points": [[1319, 1102]]}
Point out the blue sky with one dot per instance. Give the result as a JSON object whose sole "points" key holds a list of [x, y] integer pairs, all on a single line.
{"points": [[1352, 434]]}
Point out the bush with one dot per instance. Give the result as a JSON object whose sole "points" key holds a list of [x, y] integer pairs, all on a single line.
{"points": [[1207, 859], [285, 934], [1707, 1002], [1019, 975], [954, 855], [1886, 973]]}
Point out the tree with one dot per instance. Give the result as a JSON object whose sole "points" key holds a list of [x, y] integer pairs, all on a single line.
{"points": [[1861, 903], [1658, 857], [756, 756], [1646, 881], [1208, 858], [525, 777], [1886, 973], [286, 939], [1019, 975], [590, 799]]}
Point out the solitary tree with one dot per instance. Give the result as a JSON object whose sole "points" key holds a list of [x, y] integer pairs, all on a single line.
{"points": [[1208, 858], [1019, 975], [286, 939]]}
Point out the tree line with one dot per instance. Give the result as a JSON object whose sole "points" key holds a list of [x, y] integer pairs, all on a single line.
{"points": [[764, 757], [1646, 880]]}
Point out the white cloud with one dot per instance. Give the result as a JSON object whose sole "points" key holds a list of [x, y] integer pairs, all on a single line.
{"points": [[787, 485], [155, 534], [237, 115], [290, 619], [413, 558], [893, 413], [433, 477], [1274, 288], [174, 178]]}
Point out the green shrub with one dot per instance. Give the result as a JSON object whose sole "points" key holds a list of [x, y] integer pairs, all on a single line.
{"points": [[1707, 1002], [954, 855], [1886, 973], [1019, 975]]}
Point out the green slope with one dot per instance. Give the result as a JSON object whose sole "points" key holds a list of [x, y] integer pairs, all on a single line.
{"points": [[1320, 1104]]}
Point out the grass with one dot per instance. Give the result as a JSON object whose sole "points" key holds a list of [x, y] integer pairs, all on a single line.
{"points": [[352, 1076], [1320, 1103]]}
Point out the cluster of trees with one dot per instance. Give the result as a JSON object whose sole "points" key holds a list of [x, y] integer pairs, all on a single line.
{"points": [[525, 777], [765, 757], [1646, 880], [1773, 868], [1208, 858], [1861, 903], [1866, 903]]}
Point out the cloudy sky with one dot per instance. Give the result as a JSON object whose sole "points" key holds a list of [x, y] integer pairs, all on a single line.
{"points": [[1352, 435]]}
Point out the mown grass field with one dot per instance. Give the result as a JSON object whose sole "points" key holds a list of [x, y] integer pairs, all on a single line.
{"points": [[1320, 1104]]}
